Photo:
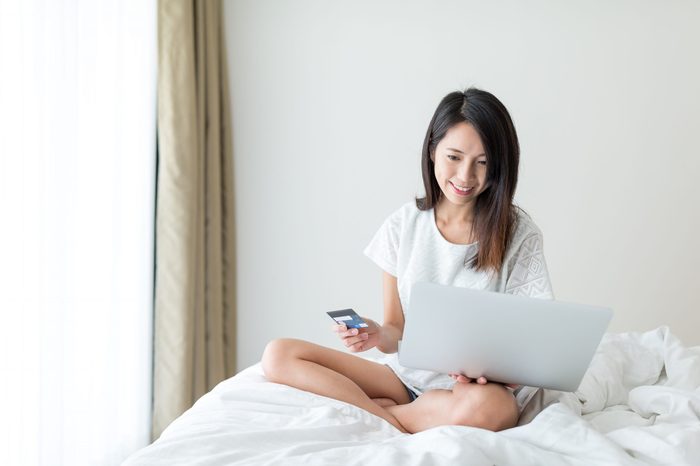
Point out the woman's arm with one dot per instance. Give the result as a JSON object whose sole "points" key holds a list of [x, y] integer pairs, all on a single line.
{"points": [[392, 328]]}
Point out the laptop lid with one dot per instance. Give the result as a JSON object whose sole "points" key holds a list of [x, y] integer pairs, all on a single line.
{"points": [[505, 338]]}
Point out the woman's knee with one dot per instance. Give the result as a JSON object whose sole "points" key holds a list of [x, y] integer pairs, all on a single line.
{"points": [[489, 406], [277, 356]]}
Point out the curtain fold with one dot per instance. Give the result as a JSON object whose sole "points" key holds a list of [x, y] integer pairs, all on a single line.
{"points": [[194, 322]]}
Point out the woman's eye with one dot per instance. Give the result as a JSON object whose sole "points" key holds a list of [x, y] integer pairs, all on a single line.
{"points": [[482, 162], [452, 157]]}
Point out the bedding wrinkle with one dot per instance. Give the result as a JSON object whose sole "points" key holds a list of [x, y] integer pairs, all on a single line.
{"points": [[249, 420]]}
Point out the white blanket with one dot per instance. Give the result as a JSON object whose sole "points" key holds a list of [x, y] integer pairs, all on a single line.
{"points": [[639, 403]]}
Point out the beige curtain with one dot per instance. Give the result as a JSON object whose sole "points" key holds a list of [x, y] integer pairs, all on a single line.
{"points": [[194, 330]]}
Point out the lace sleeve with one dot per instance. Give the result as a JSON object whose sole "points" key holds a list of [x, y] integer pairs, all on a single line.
{"points": [[384, 246], [528, 275]]}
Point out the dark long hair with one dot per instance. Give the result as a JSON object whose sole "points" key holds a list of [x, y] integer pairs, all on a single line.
{"points": [[494, 212]]}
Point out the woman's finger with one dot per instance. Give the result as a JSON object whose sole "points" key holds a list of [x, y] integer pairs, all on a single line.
{"points": [[356, 347], [360, 345], [354, 340], [344, 332], [481, 380], [460, 377]]}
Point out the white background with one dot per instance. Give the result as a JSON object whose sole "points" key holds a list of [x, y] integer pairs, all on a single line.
{"points": [[331, 101]]}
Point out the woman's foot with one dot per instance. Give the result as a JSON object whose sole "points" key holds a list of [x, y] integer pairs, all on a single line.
{"points": [[488, 406]]}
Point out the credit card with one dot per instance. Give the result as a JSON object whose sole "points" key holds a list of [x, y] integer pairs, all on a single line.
{"points": [[348, 317]]}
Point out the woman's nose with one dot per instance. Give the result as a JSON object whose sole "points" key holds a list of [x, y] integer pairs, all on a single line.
{"points": [[465, 172]]}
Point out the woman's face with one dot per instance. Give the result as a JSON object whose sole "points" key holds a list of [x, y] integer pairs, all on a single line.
{"points": [[460, 164]]}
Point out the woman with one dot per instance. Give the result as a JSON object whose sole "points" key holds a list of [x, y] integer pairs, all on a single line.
{"points": [[464, 232]]}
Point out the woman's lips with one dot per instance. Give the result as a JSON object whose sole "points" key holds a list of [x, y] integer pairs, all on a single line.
{"points": [[459, 192]]}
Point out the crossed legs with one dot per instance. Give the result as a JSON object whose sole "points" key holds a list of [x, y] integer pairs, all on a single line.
{"points": [[375, 388], [490, 406], [334, 374]]}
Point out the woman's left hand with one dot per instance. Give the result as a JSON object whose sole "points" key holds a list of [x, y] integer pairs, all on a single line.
{"points": [[464, 379], [481, 380]]}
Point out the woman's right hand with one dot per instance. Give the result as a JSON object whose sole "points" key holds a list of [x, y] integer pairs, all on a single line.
{"points": [[359, 339]]}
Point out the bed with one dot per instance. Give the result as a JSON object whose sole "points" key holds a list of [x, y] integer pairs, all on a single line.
{"points": [[639, 403]]}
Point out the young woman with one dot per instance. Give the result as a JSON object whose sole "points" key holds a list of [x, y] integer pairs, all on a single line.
{"points": [[467, 232]]}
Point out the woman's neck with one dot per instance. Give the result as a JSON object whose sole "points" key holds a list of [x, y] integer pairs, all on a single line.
{"points": [[450, 214]]}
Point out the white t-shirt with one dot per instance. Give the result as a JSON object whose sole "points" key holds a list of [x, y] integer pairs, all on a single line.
{"points": [[410, 247]]}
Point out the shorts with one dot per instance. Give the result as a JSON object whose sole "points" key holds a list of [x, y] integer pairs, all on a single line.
{"points": [[411, 394]]}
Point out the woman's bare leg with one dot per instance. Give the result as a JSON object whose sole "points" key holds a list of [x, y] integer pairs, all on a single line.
{"points": [[334, 374], [384, 402], [489, 406]]}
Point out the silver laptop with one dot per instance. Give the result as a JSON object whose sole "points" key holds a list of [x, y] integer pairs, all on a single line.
{"points": [[505, 338]]}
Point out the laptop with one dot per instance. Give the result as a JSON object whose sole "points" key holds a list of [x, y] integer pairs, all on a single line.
{"points": [[503, 337]]}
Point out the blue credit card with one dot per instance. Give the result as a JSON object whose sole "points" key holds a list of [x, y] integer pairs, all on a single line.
{"points": [[348, 317]]}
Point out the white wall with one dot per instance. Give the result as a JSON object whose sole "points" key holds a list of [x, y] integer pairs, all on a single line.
{"points": [[331, 101]]}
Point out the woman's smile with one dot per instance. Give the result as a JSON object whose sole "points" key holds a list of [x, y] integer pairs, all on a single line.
{"points": [[461, 190]]}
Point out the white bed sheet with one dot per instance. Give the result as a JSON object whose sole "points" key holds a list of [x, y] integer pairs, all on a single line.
{"points": [[639, 403]]}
